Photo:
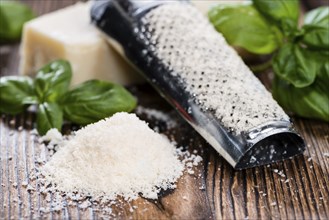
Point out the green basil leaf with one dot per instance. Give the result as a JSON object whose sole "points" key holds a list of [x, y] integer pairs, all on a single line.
{"points": [[318, 16], [309, 102], [95, 100], [12, 17], [316, 37], [279, 10], [296, 65], [16, 92], [316, 28], [323, 53], [290, 29], [49, 115], [244, 26], [53, 80]]}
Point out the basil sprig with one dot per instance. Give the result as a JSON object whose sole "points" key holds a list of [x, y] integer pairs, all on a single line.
{"points": [[49, 90], [300, 55]]}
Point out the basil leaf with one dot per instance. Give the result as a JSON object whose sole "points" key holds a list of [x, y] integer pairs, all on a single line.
{"points": [[316, 28], [12, 16], [49, 115], [245, 27], [296, 65], [15, 93], [318, 16], [279, 11], [316, 37], [309, 102], [95, 100], [290, 29], [53, 80]]}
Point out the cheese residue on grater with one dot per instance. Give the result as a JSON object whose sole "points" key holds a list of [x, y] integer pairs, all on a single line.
{"points": [[209, 68]]}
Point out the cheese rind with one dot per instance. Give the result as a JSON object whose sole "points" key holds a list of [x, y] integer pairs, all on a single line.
{"points": [[68, 34]]}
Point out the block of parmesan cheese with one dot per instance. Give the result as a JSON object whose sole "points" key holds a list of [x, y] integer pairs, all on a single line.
{"points": [[68, 34]]}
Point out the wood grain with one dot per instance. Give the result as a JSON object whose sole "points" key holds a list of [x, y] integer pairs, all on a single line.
{"points": [[294, 189]]}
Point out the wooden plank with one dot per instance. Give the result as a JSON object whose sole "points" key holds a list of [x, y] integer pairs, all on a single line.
{"points": [[293, 189], [220, 193]]}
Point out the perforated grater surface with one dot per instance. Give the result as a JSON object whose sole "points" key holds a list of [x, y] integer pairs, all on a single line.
{"points": [[192, 66]]}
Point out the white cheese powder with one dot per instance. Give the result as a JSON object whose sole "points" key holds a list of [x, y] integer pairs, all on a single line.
{"points": [[118, 156]]}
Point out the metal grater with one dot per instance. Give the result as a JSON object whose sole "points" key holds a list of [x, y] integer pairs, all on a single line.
{"points": [[202, 77]]}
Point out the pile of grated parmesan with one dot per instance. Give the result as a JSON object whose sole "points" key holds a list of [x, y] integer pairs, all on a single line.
{"points": [[118, 156]]}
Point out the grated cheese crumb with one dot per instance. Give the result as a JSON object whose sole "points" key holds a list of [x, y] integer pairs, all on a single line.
{"points": [[158, 115]]}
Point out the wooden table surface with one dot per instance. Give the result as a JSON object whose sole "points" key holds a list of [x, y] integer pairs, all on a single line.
{"points": [[294, 189]]}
